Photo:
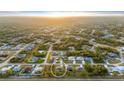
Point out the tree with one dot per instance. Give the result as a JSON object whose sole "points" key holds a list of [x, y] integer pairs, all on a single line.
{"points": [[96, 70]]}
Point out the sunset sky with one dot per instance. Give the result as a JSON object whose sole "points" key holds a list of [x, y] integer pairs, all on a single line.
{"points": [[60, 14], [41, 7]]}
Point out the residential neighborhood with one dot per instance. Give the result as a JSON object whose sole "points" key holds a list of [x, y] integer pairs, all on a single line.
{"points": [[69, 48]]}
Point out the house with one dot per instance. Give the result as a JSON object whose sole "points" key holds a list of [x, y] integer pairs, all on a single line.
{"points": [[30, 47], [4, 54], [5, 47], [27, 70], [21, 56], [79, 59], [71, 48], [69, 68], [88, 60], [4, 70], [57, 53], [112, 55], [113, 69], [17, 68], [80, 68], [122, 48], [92, 41], [40, 51], [61, 53], [119, 69], [37, 70], [108, 36], [34, 59], [54, 53], [72, 59], [77, 37], [18, 47]]}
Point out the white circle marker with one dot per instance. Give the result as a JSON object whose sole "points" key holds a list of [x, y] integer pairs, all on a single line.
{"points": [[58, 76]]}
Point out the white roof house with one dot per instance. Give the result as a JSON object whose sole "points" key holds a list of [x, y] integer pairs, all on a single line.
{"points": [[6, 46], [115, 69], [5, 69], [21, 55], [119, 69], [40, 51], [71, 58], [17, 47], [30, 46], [122, 48], [79, 58], [37, 69]]}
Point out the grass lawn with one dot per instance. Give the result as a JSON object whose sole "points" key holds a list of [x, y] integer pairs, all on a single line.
{"points": [[113, 61], [38, 61]]}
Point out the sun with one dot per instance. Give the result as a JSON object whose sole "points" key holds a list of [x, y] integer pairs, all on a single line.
{"points": [[58, 14], [68, 14]]}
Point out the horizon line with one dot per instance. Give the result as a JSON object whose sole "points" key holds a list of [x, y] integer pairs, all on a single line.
{"points": [[61, 13]]}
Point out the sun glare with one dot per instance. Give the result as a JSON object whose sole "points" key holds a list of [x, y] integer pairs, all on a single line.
{"points": [[67, 14], [74, 14]]}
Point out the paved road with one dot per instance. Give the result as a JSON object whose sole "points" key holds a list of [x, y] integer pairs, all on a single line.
{"points": [[17, 52], [48, 53]]}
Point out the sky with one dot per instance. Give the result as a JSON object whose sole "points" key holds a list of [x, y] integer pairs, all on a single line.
{"points": [[61, 5], [17, 7], [61, 13]]}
